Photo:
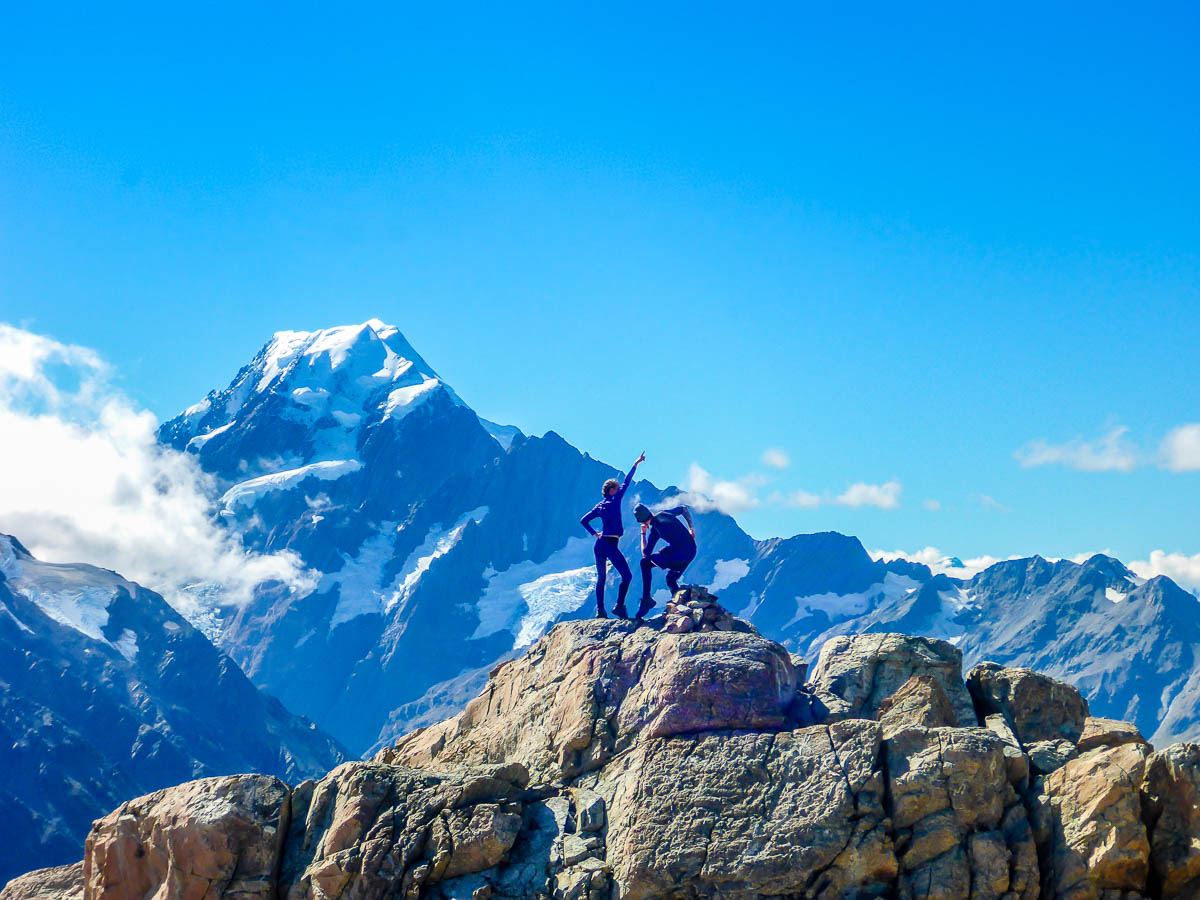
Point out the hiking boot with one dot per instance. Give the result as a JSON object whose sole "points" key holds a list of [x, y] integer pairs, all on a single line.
{"points": [[600, 613], [645, 606]]}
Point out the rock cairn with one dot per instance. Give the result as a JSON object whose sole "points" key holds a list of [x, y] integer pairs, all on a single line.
{"points": [[695, 609]]}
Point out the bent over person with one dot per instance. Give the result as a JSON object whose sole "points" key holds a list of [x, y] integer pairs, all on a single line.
{"points": [[608, 511], [676, 556]]}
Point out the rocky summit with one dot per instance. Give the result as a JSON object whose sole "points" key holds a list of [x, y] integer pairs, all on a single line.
{"points": [[628, 760]]}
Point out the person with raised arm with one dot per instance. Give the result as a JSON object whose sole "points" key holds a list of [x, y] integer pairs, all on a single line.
{"points": [[608, 511], [676, 556]]}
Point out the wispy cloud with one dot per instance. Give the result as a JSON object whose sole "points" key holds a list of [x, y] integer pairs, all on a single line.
{"points": [[861, 493], [82, 479], [883, 496], [776, 458], [930, 504], [1180, 450], [796, 499], [989, 502], [1111, 452], [705, 493]]}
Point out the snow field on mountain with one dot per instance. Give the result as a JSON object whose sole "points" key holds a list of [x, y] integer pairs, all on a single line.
{"points": [[361, 590]]}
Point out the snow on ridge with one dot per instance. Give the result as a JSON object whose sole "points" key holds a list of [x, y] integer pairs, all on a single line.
{"points": [[403, 400], [528, 596], [360, 585], [77, 596], [728, 572], [248, 492], [843, 606]]}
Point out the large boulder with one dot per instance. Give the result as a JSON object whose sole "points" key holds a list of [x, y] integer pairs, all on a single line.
{"points": [[1036, 706], [175, 843], [588, 690], [1101, 732], [1172, 807], [746, 815], [920, 702], [855, 675], [1088, 821], [960, 828], [61, 883], [365, 829]]}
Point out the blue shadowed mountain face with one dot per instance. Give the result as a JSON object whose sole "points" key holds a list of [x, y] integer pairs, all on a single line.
{"points": [[107, 693], [441, 542]]}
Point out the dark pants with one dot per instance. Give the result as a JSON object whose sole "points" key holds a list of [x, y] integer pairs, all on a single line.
{"points": [[607, 551], [673, 560]]}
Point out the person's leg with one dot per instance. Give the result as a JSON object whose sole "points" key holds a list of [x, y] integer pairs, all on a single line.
{"points": [[601, 575], [676, 569], [622, 567], [647, 575]]}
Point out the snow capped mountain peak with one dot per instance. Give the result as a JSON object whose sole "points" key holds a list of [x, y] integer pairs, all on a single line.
{"points": [[313, 391]]}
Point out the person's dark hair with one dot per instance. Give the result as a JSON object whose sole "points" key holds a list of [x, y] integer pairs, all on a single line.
{"points": [[609, 486], [642, 513]]}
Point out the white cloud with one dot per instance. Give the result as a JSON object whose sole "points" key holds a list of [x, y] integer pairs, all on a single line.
{"points": [[705, 493], [1180, 568], [1109, 453], [930, 504], [989, 502], [82, 479], [776, 458], [884, 496], [797, 499], [1180, 451]]}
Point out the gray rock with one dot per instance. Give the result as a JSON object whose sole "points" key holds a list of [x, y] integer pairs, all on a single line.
{"points": [[176, 842], [920, 702], [1172, 809], [60, 883], [1088, 821], [743, 815], [377, 827], [1037, 707], [865, 670], [960, 829], [1050, 756], [1101, 732], [612, 685], [589, 809]]}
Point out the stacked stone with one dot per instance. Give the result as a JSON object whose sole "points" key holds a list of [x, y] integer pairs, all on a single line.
{"points": [[695, 609]]}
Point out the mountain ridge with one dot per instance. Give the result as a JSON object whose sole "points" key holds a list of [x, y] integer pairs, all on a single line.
{"points": [[435, 528]]}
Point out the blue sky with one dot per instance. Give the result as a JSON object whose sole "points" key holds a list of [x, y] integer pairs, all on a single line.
{"points": [[900, 245]]}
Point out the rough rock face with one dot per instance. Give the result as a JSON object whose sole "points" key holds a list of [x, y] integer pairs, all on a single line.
{"points": [[366, 829], [616, 762], [921, 701], [1036, 706], [1172, 809], [586, 691], [223, 833], [1089, 825], [749, 815], [853, 676], [61, 883], [1100, 732], [959, 826]]}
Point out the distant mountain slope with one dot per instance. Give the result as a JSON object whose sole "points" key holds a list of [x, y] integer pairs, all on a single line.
{"points": [[105, 693], [441, 542], [1130, 645]]}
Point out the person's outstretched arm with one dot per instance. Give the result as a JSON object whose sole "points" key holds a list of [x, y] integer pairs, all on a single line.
{"points": [[686, 512], [629, 477], [587, 519]]}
